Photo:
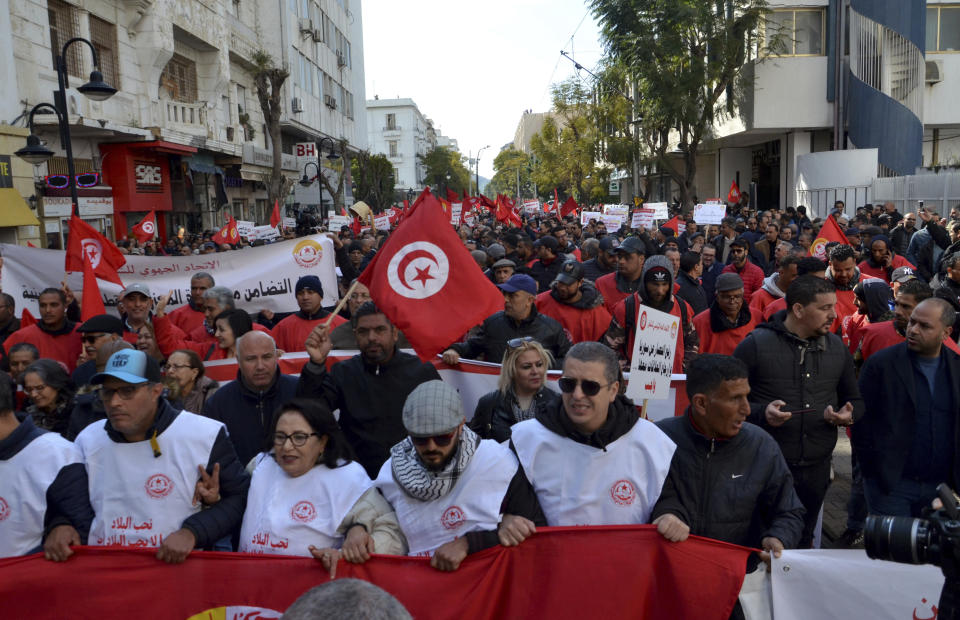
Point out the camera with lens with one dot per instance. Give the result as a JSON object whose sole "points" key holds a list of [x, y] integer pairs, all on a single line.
{"points": [[931, 540]]}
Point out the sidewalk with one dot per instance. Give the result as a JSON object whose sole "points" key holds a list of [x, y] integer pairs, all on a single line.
{"points": [[835, 504]]}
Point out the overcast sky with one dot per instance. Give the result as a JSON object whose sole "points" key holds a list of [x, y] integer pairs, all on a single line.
{"points": [[474, 67]]}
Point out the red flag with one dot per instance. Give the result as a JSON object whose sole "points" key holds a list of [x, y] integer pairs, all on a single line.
{"points": [[30, 245], [84, 240], [570, 206], [486, 202], [227, 234], [91, 303], [26, 319], [426, 282], [734, 194], [356, 227], [146, 229], [830, 231], [275, 219], [452, 196], [551, 208], [676, 224]]}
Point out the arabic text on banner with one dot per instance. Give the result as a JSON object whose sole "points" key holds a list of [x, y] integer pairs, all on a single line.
{"points": [[654, 346], [711, 213]]}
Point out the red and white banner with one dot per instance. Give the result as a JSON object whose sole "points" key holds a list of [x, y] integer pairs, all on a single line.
{"points": [[570, 572], [848, 584]]}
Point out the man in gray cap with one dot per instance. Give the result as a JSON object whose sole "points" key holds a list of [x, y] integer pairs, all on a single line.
{"points": [[728, 320], [575, 303], [135, 305], [502, 270], [449, 487], [605, 261]]}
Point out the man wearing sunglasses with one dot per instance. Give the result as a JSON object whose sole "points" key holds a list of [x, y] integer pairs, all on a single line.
{"points": [[144, 466], [95, 333], [449, 487], [590, 458]]}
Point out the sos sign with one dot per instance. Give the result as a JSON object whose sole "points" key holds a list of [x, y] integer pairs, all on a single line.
{"points": [[148, 177]]}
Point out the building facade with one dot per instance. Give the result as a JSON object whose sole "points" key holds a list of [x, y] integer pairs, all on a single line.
{"points": [[397, 129], [184, 135]]}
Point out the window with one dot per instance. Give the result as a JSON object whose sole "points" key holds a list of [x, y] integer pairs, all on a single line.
{"points": [[943, 28], [103, 35], [235, 8], [800, 32], [392, 146], [391, 121], [64, 25], [241, 99], [328, 31], [179, 79]]}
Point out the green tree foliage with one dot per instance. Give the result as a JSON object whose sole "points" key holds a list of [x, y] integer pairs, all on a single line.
{"points": [[373, 176], [445, 170], [506, 165], [687, 58]]}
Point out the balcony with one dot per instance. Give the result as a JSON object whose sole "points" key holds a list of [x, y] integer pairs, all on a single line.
{"points": [[183, 115], [391, 130]]}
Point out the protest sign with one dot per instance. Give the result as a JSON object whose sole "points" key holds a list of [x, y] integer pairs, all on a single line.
{"points": [[336, 221], [660, 210], [586, 216], [710, 213], [642, 218], [654, 346], [531, 206], [611, 222], [290, 222], [382, 222], [621, 210], [264, 233], [456, 208], [244, 227]]}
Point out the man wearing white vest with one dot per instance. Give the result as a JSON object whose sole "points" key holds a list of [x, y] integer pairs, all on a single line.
{"points": [[145, 462], [590, 458], [40, 474], [449, 488]]}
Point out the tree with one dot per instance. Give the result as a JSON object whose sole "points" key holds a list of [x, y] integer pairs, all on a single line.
{"points": [[373, 176], [687, 58], [445, 170], [340, 167], [507, 164], [268, 80]]}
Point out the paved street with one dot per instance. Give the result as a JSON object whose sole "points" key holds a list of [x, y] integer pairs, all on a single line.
{"points": [[835, 504]]}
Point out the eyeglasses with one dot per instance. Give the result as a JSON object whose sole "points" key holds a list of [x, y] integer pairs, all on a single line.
{"points": [[439, 440], [170, 367], [515, 343], [589, 388], [126, 392], [92, 338], [61, 181], [34, 389], [297, 439]]}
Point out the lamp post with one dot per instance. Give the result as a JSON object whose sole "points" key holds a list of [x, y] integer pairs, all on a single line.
{"points": [[332, 155], [478, 167], [96, 89]]}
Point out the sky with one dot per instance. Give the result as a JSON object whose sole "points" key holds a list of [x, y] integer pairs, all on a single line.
{"points": [[474, 67]]}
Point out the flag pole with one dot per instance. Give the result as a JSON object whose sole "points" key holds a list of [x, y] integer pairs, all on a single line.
{"points": [[643, 412], [341, 303]]}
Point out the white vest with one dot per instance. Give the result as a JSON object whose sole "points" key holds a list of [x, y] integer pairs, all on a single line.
{"points": [[579, 484], [24, 480], [472, 505], [285, 515], [138, 499]]}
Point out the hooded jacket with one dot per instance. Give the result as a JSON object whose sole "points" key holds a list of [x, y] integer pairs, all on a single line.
{"points": [[585, 319], [766, 294]]}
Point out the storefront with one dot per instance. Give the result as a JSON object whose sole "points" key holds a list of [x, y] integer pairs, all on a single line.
{"points": [[95, 207]]}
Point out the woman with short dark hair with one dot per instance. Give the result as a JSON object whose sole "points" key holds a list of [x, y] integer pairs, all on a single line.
{"points": [[51, 394]]}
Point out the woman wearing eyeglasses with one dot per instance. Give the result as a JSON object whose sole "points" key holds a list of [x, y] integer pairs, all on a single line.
{"points": [[51, 395], [308, 497], [521, 391], [186, 380]]}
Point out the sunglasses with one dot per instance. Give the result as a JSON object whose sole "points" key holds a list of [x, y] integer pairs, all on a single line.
{"points": [[61, 181], [92, 338], [439, 440], [588, 387], [514, 343]]}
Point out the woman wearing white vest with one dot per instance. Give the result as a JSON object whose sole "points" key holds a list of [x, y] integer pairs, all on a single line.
{"points": [[308, 497], [449, 487], [590, 458], [40, 474]]}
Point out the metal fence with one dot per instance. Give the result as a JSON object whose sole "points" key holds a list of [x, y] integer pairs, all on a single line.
{"points": [[939, 192], [819, 202]]}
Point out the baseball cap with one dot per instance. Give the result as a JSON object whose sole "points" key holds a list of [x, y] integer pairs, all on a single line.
{"points": [[136, 287], [432, 408], [310, 282], [728, 282], [548, 241], [102, 323], [504, 262], [519, 282], [570, 272], [903, 274], [496, 251], [633, 245], [130, 366], [609, 244]]}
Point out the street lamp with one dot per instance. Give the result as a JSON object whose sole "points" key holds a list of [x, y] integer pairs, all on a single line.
{"points": [[96, 89], [332, 151], [307, 181], [478, 168]]}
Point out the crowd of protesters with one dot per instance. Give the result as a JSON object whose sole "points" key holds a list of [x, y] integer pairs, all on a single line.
{"points": [[122, 439]]}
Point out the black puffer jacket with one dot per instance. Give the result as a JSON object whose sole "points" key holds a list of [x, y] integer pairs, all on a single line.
{"points": [[497, 329], [493, 416], [739, 491], [806, 374]]}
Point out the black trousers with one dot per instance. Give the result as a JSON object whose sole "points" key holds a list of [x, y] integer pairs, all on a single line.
{"points": [[811, 482]]}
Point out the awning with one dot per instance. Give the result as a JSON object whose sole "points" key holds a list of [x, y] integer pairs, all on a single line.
{"points": [[196, 166], [14, 210]]}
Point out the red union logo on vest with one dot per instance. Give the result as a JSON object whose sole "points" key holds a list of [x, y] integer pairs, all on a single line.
{"points": [[643, 320], [453, 517], [304, 512], [4, 509], [158, 486], [419, 270], [927, 611], [623, 492]]}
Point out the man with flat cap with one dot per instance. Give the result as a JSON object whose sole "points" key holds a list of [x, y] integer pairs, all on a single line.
{"points": [[501, 270], [292, 331], [150, 465], [519, 319], [575, 303], [95, 333], [728, 320], [449, 488], [627, 279]]}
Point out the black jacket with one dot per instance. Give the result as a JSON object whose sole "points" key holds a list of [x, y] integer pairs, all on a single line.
{"points": [[592, 269], [497, 329], [370, 399], [68, 499], [11, 326], [739, 491], [883, 438], [493, 416], [692, 292], [87, 409], [247, 414], [806, 375], [544, 274]]}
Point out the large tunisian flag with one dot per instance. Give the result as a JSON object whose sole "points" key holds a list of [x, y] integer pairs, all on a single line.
{"points": [[85, 241], [570, 572], [426, 282]]}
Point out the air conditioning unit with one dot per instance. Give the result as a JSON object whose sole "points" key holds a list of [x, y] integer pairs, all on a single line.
{"points": [[297, 105], [341, 60], [317, 35], [306, 25], [934, 71], [330, 102]]}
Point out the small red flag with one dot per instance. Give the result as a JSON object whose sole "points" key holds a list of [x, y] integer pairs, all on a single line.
{"points": [[85, 241], [425, 281], [91, 303], [30, 245], [830, 231], [570, 206], [146, 229], [452, 196], [550, 208], [486, 202], [26, 319], [676, 224], [733, 196], [275, 219], [227, 234]]}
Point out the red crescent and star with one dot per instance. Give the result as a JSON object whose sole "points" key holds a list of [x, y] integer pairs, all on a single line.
{"points": [[422, 274]]}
